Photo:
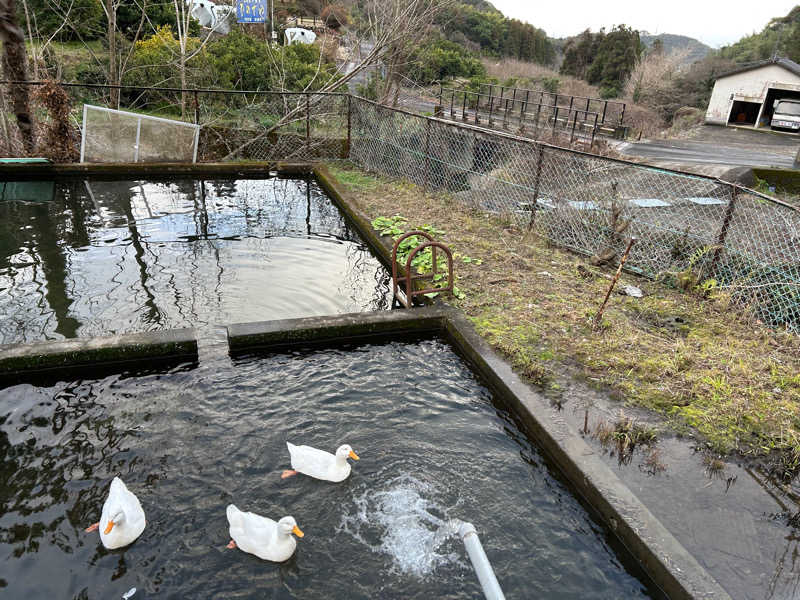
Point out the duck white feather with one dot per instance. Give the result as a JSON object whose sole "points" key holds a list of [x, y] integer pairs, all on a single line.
{"points": [[320, 464], [122, 519], [267, 539]]}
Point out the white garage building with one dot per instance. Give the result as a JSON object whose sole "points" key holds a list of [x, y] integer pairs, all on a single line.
{"points": [[746, 96]]}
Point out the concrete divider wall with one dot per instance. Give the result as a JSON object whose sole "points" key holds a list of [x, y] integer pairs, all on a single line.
{"points": [[23, 361]]}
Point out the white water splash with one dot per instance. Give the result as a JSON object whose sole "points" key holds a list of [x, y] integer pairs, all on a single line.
{"points": [[401, 520]]}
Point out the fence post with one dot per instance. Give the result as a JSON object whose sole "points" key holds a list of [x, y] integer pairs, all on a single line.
{"points": [[605, 108], [452, 102], [536, 186], [308, 122], [594, 131], [464, 107], [349, 123], [83, 134], [477, 107], [427, 152], [138, 136], [523, 107], [491, 106], [726, 222], [622, 115], [574, 122], [538, 112], [196, 109]]}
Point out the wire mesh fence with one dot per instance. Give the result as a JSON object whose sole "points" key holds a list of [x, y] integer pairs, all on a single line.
{"points": [[691, 230], [118, 136], [233, 124]]}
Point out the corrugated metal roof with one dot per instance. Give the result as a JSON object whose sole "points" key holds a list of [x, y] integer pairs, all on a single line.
{"points": [[787, 64]]}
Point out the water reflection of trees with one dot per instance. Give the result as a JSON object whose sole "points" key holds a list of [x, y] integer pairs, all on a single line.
{"points": [[115, 256], [65, 438]]}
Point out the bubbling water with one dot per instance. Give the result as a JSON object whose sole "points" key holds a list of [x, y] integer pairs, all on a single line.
{"points": [[402, 521]]}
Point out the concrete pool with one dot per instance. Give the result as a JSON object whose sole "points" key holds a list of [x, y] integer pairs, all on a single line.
{"points": [[99, 257], [434, 446]]}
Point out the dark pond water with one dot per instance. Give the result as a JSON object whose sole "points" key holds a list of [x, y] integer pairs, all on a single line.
{"points": [[90, 258], [433, 448]]}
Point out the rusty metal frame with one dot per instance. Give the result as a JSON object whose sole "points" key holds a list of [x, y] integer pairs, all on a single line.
{"points": [[410, 277]]}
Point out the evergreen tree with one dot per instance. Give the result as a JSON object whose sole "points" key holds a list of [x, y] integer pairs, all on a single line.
{"points": [[615, 59]]}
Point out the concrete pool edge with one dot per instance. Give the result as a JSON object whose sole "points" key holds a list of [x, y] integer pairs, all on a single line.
{"points": [[378, 244], [319, 330], [20, 360], [679, 574], [670, 566], [39, 171]]}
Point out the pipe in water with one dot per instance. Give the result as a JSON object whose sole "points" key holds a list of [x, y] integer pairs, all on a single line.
{"points": [[480, 562]]}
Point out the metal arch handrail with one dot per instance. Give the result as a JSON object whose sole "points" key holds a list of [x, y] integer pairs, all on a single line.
{"points": [[397, 243], [410, 277], [433, 246]]}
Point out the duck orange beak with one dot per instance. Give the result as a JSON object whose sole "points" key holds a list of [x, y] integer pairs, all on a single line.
{"points": [[109, 527], [297, 532], [353, 455]]}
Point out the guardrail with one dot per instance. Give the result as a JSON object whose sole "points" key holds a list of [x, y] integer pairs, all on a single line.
{"points": [[522, 115]]}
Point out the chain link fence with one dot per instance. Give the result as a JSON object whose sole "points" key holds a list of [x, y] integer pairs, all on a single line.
{"points": [[234, 125], [692, 231]]}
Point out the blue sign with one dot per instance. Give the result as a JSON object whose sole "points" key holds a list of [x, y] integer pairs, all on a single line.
{"points": [[251, 11]]}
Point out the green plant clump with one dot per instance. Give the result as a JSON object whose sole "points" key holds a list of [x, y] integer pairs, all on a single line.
{"points": [[396, 226]]}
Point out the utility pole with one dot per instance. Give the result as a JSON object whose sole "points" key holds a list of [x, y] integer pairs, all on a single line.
{"points": [[272, 21]]}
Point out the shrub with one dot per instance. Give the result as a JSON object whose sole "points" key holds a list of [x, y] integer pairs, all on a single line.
{"points": [[60, 138], [239, 61], [154, 60], [442, 59]]}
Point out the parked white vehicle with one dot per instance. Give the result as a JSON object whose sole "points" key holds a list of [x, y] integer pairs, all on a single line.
{"points": [[786, 115], [300, 35], [213, 16]]}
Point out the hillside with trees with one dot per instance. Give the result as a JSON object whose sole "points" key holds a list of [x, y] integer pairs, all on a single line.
{"points": [[693, 49], [468, 41], [780, 37], [603, 59]]}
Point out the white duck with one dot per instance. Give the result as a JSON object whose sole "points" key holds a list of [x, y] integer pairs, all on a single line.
{"points": [[122, 519], [320, 464], [263, 537]]}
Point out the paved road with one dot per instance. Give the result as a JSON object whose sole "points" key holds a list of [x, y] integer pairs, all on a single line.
{"points": [[721, 146]]}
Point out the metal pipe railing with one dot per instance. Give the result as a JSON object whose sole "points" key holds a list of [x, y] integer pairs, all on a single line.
{"points": [[480, 562]]}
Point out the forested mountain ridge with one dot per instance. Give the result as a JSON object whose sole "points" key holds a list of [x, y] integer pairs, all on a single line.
{"points": [[670, 42]]}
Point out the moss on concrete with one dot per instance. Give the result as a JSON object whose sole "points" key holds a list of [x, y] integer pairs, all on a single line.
{"points": [[94, 352]]}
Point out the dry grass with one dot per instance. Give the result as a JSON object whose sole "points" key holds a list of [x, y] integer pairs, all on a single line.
{"points": [[624, 436], [535, 74], [698, 362], [643, 121]]}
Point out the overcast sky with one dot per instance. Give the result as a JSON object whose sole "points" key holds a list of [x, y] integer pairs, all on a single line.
{"points": [[714, 22]]}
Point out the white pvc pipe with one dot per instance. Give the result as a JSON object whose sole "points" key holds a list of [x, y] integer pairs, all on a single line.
{"points": [[483, 569]]}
